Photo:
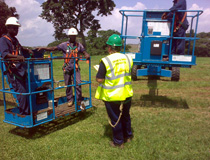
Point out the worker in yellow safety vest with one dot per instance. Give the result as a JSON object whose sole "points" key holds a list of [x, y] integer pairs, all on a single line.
{"points": [[115, 89]]}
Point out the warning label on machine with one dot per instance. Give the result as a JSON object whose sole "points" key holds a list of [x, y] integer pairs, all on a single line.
{"points": [[42, 71], [182, 58], [162, 27], [41, 116]]}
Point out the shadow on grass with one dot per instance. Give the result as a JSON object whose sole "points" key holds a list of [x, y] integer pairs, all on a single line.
{"points": [[160, 101], [108, 131], [8, 103], [53, 126], [154, 100]]}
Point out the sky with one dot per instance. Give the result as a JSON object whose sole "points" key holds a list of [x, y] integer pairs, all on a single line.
{"points": [[35, 31]]}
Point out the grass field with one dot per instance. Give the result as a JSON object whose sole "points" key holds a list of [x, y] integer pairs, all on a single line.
{"points": [[170, 120]]}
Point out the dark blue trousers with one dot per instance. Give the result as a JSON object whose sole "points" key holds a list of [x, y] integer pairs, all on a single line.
{"points": [[123, 129], [178, 45], [19, 85], [69, 78]]}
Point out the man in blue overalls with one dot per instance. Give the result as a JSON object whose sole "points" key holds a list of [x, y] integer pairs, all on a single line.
{"points": [[71, 49], [180, 25], [16, 73]]}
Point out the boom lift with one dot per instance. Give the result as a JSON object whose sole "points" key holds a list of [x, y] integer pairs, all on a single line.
{"points": [[156, 43], [44, 106]]}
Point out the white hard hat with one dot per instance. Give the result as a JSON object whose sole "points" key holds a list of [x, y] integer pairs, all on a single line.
{"points": [[12, 21], [72, 31]]}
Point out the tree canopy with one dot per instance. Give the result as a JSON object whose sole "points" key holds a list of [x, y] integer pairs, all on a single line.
{"points": [[202, 47], [96, 41], [5, 13], [75, 13]]}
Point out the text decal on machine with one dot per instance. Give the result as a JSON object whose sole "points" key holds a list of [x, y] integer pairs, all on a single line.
{"points": [[183, 58], [41, 116]]}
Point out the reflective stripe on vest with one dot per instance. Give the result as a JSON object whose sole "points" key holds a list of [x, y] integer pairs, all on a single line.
{"points": [[118, 76], [117, 83], [114, 87]]}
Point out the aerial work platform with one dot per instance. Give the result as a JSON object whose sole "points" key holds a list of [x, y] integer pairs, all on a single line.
{"points": [[156, 43], [44, 106]]}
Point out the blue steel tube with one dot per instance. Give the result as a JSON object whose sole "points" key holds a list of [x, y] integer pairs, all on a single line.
{"points": [[172, 31], [52, 84], [122, 23], [29, 90], [75, 92], [142, 31], [90, 103], [196, 27], [191, 25], [2, 79], [126, 29]]}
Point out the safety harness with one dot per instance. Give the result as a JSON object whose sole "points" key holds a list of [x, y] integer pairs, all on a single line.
{"points": [[74, 53], [180, 23], [14, 52]]}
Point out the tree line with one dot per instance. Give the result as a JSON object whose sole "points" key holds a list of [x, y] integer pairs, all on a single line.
{"points": [[6, 12], [202, 47]]}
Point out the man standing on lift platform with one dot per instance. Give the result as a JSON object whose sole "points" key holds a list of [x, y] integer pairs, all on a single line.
{"points": [[180, 25], [71, 49], [16, 73]]}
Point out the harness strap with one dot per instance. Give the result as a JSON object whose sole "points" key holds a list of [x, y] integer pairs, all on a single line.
{"points": [[74, 53], [17, 48], [180, 23], [8, 65]]}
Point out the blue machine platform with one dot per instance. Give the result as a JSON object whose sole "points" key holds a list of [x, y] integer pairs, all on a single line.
{"points": [[156, 43], [44, 106]]}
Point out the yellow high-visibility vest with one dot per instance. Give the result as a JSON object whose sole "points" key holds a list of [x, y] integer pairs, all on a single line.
{"points": [[117, 84]]}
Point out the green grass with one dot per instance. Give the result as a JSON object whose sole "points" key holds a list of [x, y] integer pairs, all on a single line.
{"points": [[173, 124]]}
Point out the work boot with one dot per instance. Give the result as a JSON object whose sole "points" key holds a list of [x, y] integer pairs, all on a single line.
{"points": [[82, 106], [165, 59], [112, 144], [70, 103], [128, 140]]}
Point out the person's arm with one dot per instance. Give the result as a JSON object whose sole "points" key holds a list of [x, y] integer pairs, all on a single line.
{"points": [[16, 57], [99, 80], [6, 52], [100, 76], [87, 56], [47, 48], [27, 50]]}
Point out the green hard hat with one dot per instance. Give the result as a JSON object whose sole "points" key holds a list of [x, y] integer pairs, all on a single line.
{"points": [[114, 40]]}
